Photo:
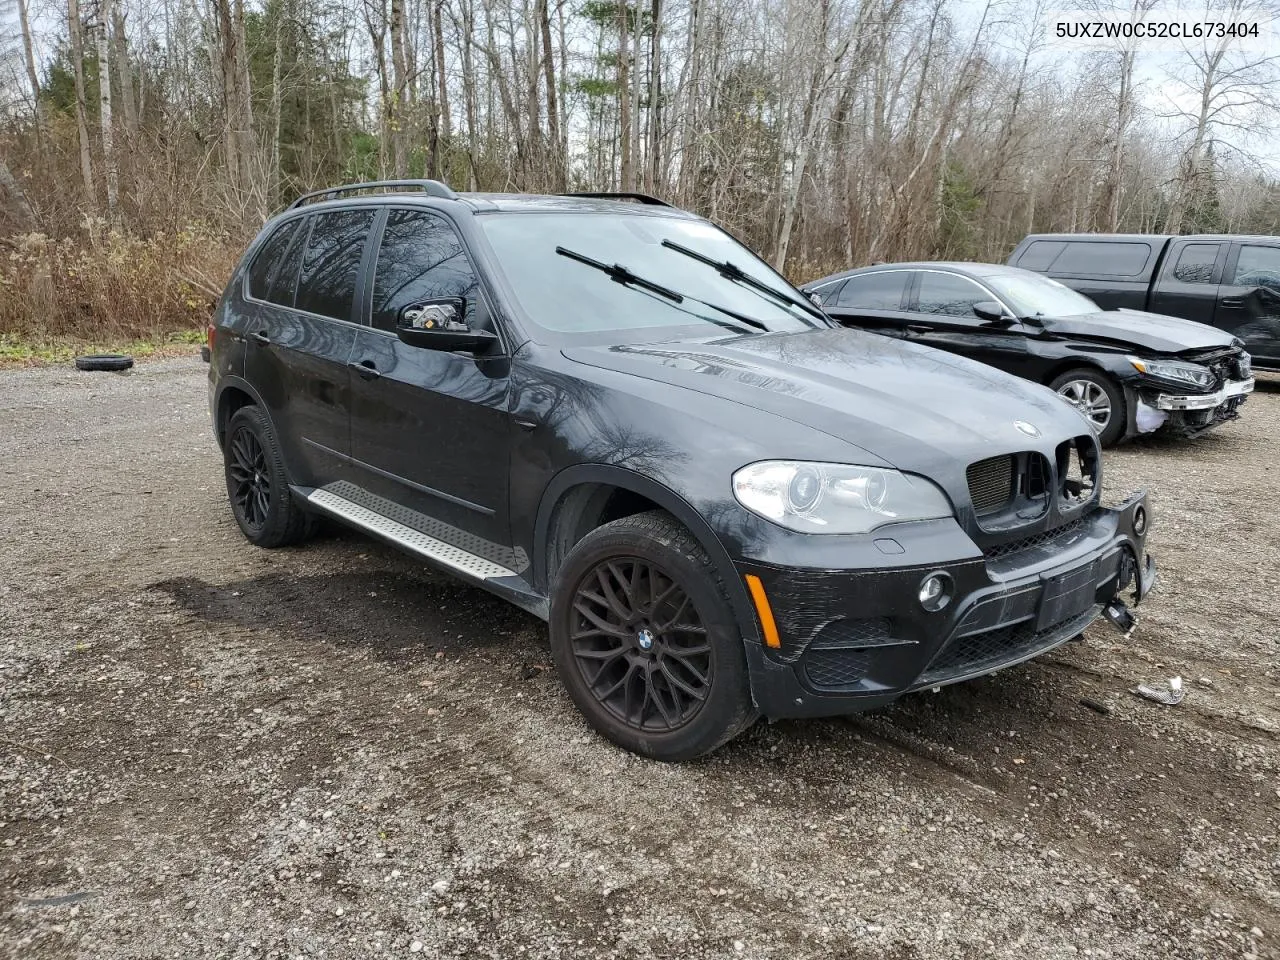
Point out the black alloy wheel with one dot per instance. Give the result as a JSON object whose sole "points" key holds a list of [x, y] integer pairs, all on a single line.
{"points": [[248, 481], [645, 640], [641, 645], [258, 484]]}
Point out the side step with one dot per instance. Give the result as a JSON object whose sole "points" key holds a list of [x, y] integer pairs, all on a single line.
{"points": [[414, 541], [481, 571]]}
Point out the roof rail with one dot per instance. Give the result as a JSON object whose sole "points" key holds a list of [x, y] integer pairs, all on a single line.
{"points": [[637, 197], [432, 188]]}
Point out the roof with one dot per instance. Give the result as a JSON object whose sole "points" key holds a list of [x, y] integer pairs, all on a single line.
{"points": [[1160, 237], [551, 203], [963, 267]]}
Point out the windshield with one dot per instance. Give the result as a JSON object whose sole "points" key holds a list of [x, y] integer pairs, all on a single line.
{"points": [[1030, 295], [564, 295]]}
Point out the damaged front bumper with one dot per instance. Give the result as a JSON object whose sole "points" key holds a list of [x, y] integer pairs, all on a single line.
{"points": [[1186, 414], [854, 640]]}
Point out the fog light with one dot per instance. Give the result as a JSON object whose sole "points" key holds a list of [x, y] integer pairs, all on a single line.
{"points": [[935, 592], [1140, 521]]}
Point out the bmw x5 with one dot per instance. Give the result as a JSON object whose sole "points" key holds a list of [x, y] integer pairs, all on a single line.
{"points": [[609, 412]]}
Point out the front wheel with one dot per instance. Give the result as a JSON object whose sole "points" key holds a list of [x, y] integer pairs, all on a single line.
{"points": [[644, 640], [1099, 398]]}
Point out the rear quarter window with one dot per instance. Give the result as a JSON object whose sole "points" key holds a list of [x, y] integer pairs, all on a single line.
{"points": [[1101, 258], [270, 276], [1040, 254]]}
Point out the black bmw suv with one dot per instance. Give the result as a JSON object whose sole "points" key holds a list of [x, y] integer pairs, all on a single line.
{"points": [[611, 413]]}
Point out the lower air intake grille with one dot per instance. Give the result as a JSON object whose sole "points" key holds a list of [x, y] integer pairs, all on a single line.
{"points": [[990, 483], [836, 668]]}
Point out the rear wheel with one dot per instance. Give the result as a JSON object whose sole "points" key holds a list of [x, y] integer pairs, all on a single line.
{"points": [[645, 641], [257, 484], [1099, 398]]}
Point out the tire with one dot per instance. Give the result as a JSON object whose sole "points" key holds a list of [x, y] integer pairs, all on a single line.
{"points": [[690, 682], [1088, 389], [104, 361], [258, 486]]}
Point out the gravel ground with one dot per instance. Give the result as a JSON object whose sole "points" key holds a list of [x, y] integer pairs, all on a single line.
{"points": [[216, 751]]}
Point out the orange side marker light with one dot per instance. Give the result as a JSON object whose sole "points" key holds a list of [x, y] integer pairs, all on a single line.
{"points": [[764, 611]]}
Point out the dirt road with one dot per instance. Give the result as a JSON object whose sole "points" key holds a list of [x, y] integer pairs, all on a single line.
{"points": [[330, 751]]}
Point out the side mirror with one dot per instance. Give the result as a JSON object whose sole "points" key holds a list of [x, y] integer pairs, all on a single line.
{"points": [[439, 325], [992, 312], [816, 298]]}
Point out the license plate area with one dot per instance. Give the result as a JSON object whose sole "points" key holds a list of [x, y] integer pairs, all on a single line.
{"points": [[1067, 595]]}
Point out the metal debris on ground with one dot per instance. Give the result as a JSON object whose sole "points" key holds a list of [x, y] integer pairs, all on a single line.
{"points": [[1170, 696], [1097, 706]]}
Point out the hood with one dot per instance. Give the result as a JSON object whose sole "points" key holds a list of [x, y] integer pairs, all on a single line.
{"points": [[1145, 331], [912, 407]]}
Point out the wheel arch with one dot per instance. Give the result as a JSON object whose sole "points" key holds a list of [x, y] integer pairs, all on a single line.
{"points": [[581, 498], [234, 393]]}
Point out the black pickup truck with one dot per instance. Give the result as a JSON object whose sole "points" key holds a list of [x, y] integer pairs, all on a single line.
{"points": [[1232, 282]]}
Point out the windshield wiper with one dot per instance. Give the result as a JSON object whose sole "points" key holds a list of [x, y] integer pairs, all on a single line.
{"points": [[620, 274], [731, 271]]}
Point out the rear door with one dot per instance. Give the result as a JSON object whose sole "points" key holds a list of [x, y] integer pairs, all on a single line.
{"points": [[1249, 298], [1188, 282], [300, 337], [871, 301], [429, 428], [941, 316]]}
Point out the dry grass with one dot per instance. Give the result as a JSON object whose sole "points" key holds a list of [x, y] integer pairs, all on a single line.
{"points": [[113, 287]]}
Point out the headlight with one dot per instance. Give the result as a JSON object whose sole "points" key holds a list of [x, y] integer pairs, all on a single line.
{"points": [[835, 497], [1191, 373]]}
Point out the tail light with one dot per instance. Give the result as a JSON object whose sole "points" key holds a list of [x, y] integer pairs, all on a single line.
{"points": [[212, 333]]}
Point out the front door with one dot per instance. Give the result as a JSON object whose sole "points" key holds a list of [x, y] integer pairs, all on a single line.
{"points": [[942, 316], [300, 335], [1249, 299], [871, 301], [430, 430]]}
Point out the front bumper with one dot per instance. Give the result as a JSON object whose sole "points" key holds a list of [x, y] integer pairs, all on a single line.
{"points": [[854, 640], [1204, 401]]}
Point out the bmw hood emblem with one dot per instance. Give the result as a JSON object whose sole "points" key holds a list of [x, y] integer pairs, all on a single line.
{"points": [[1029, 429]]}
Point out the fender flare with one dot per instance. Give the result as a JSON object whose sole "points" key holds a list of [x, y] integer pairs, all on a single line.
{"points": [[664, 497], [228, 381]]}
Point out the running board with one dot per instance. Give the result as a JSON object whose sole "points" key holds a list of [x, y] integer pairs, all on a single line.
{"points": [[452, 558]]}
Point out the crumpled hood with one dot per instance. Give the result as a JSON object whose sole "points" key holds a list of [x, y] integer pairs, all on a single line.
{"points": [[1148, 331], [912, 407]]}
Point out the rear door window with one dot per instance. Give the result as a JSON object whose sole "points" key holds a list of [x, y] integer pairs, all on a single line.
{"points": [[948, 295], [274, 271], [420, 258], [331, 266], [1258, 267], [1195, 263], [874, 291], [1103, 258]]}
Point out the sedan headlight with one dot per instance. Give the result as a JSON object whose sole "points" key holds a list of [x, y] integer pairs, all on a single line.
{"points": [[835, 497], [1176, 370]]}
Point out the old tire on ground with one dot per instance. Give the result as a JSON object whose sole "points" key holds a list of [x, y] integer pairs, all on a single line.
{"points": [[258, 486], [645, 641], [104, 361], [1099, 398]]}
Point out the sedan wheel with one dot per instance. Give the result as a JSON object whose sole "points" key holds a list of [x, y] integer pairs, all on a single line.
{"points": [[1099, 398], [1090, 399]]}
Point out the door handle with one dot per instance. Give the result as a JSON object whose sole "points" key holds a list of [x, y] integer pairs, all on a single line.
{"points": [[260, 338], [1231, 302], [366, 368], [918, 328]]}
